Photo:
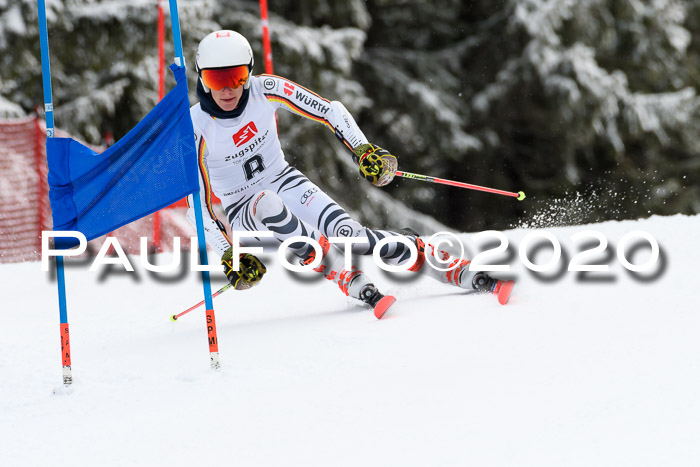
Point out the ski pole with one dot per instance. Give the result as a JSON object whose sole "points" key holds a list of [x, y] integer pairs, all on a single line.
{"points": [[218, 292], [424, 178]]}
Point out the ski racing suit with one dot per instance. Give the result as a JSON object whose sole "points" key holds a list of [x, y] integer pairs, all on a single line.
{"points": [[241, 161]]}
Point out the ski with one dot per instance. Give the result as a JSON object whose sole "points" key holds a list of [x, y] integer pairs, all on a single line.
{"points": [[503, 291], [377, 300], [383, 305]]}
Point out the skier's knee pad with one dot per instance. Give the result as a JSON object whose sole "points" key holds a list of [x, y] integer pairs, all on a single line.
{"points": [[267, 204]]}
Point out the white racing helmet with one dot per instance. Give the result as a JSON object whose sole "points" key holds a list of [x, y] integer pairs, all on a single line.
{"points": [[222, 49]]}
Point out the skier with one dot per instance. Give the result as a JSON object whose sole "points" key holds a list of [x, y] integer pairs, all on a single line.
{"points": [[241, 161]]}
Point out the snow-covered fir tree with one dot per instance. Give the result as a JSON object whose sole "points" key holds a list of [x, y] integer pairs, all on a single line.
{"points": [[550, 97]]}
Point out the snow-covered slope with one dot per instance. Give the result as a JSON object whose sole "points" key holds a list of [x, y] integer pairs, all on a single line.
{"points": [[596, 372]]}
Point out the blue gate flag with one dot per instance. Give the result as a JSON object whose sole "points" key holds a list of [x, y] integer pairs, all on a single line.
{"points": [[151, 167]]}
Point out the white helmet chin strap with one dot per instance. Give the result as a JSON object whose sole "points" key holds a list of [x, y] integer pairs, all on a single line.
{"points": [[206, 89]]}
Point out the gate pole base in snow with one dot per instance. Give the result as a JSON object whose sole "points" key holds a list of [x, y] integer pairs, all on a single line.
{"points": [[213, 341]]}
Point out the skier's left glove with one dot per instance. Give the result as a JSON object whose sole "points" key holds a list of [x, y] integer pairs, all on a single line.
{"points": [[376, 164], [250, 270]]}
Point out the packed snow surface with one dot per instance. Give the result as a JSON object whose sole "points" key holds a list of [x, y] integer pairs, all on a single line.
{"points": [[579, 369]]}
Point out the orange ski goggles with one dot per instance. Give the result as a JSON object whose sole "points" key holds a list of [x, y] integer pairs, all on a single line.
{"points": [[220, 78]]}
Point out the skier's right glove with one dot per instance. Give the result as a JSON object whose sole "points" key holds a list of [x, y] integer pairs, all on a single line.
{"points": [[250, 270], [376, 164]]}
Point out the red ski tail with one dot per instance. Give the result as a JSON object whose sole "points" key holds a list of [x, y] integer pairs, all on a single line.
{"points": [[503, 290], [383, 305]]}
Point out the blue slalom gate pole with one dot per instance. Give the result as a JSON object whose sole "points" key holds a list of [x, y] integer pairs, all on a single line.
{"points": [[48, 110], [209, 303]]}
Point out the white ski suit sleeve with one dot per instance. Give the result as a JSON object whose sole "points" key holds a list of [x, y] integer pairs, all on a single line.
{"points": [[292, 97]]}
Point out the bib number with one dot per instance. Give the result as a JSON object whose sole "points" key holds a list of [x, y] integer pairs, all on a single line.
{"points": [[253, 166]]}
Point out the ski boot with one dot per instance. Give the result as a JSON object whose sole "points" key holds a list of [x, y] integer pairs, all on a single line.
{"points": [[354, 283], [482, 282], [420, 247]]}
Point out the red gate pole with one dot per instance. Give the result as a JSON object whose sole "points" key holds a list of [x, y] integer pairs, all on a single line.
{"points": [[39, 142], [161, 94], [161, 51], [267, 49]]}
